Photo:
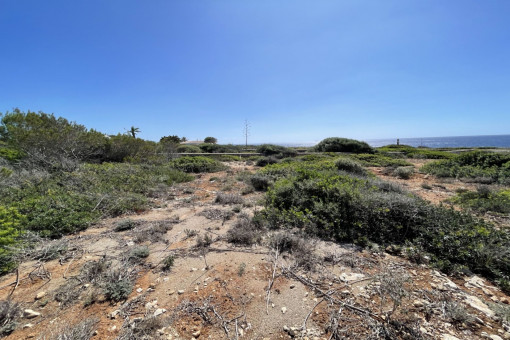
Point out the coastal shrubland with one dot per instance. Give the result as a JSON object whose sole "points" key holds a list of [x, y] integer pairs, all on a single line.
{"points": [[484, 200], [406, 151], [476, 166], [321, 201]]}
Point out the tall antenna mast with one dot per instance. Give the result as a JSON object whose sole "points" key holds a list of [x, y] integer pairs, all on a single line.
{"points": [[246, 131]]}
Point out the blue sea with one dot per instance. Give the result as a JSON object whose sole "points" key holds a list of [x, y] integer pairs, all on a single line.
{"points": [[498, 141]]}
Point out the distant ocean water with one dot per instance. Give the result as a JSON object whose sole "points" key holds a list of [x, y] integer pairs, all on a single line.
{"points": [[498, 141]]}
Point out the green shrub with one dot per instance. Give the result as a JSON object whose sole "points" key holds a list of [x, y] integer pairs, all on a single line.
{"points": [[197, 164], [117, 290], [168, 262], [139, 254], [380, 160], [124, 225], [404, 172], [412, 152], [10, 313], [266, 161], [276, 150], [351, 166], [336, 144], [218, 148], [188, 149], [260, 182], [10, 229]]}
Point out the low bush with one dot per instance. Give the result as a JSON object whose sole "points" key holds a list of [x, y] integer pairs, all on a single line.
{"points": [[350, 166], [10, 313], [336, 144], [197, 164], [412, 152], [188, 149], [125, 225], [225, 198], [403, 172], [168, 262], [277, 151], [379, 160], [117, 290], [266, 161], [83, 330], [244, 232], [260, 182], [139, 254]]}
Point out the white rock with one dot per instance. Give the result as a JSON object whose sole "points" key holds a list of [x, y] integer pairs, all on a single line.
{"points": [[284, 310], [113, 315], [30, 314], [196, 334], [159, 311], [139, 290], [448, 337], [180, 292], [347, 277], [40, 295], [495, 337], [477, 304], [28, 325]]}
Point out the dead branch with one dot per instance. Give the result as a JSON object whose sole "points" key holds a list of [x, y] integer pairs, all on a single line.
{"points": [[271, 280], [16, 283]]}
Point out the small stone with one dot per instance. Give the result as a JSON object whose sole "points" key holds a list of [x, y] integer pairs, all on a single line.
{"points": [[139, 290], [113, 328], [272, 305], [284, 310], [196, 334], [180, 292], [495, 337], [30, 314], [172, 292], [418, 303], [159, 311], [28, 325], [40, 295], [166, 279], [505, 300], [152, 286], [286, 328], [448, 337], [113, 315], [193, 269], [292, 286]]}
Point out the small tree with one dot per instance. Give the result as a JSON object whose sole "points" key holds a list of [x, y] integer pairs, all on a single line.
{"points": [[210, 140], [171, 139], [133, 131]]}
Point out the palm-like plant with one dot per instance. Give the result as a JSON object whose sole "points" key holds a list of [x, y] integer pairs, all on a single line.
{"points": [[133, 131]]}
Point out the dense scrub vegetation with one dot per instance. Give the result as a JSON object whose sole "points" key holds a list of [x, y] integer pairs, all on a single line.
{"points": [[407, 151], [276, 151], [57, 177], [484, 200], [349, 207], [336, 144], [476, 166]]}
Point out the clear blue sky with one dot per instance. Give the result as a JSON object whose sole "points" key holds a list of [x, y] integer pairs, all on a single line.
{"points": [[298, 71]]}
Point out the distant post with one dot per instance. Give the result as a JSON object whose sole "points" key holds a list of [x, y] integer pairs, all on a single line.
{"points": [[398, 141], [246, 131]]}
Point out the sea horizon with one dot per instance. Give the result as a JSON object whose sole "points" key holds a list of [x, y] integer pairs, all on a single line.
{"points": [[496, 141]]}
